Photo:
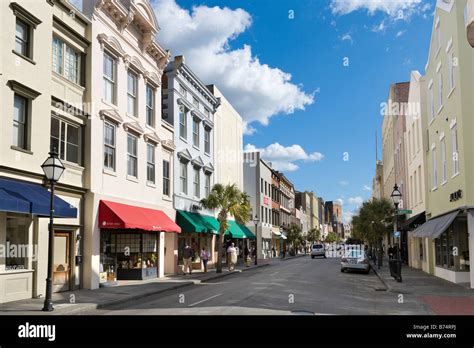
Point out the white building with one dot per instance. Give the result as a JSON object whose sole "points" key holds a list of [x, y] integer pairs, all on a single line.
{"points": [[130, 153]]}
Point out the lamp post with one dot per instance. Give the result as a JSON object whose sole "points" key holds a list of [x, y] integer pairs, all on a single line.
{"points": [[256, 221], [396, 197], [53, 169]]}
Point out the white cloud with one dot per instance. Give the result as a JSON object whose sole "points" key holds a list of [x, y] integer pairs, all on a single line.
{"points": [[367, 188], [340, 201], [344, 183], [347, 217], [347, 37], [283, 157], [400, 33], [357, 201], [397, 9], [202, 35], [379, 28]]}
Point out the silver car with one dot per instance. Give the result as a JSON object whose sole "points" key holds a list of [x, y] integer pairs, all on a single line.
{"points": [[355, 260], [318, 250]]}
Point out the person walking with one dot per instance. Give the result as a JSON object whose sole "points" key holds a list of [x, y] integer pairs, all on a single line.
{"points": [[188, 254], [204, 258], [232, 256]]}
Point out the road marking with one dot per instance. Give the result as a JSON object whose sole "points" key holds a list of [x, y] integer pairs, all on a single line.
{"points": [[207, 299]]}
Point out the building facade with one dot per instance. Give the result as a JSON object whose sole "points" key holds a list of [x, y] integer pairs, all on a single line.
{"points": [[449, 124], [258, 185], [377, 182], [135, 148]]}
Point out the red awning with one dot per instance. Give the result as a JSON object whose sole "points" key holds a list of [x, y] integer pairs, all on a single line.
{"points": [[116, 215]]}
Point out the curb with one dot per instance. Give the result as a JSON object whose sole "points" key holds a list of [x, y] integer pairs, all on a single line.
{"points": [[222, 275], [294, 257], [387, 286]]}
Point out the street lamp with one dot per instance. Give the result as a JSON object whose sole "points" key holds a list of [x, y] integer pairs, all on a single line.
{"points": [[397, 197], [53, 169], [256, 221]]}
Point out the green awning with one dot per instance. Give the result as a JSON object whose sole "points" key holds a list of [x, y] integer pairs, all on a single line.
{"points": [[235, 230], [194, 222], [247, 232]]}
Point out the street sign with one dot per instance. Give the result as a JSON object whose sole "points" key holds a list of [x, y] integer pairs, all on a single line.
{"points": [[396, 234], [401, 212]]}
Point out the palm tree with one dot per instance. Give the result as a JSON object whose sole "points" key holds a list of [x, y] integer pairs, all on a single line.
{"points": [[230, 201]]}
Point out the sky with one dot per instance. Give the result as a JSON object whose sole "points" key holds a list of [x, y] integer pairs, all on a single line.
{"points": [[307, 76]]}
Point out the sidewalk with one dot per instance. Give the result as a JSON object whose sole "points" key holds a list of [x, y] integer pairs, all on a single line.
{"points": [[443, 297], [83, 301]]}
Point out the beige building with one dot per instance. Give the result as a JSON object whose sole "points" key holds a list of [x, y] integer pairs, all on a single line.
{"points": [[228, 143], [44, 104], [130, 153], [449, 125], [377, 182]]}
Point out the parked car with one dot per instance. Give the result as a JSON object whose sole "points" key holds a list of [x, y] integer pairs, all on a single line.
{"points": [[318, 250], [355, 260]]}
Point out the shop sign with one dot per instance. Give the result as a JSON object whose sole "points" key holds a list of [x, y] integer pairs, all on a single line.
{"points": [[455, 196], [266, 200]]}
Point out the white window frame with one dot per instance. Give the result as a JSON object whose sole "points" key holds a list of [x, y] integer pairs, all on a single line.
{"points": [[207, 141], [132, 156], [112, 147], [183, 123], [150, 107], [151, 163], [197, 182], [132, 94], [440, 90], [444, 173], [63, 142], [452, 78], [109, 80], [183, 177], [196, 133], [434, 168], [61, 65], [455, 148], [166, 178], [207, 184]]}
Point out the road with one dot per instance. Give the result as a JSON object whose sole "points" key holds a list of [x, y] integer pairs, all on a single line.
{"points": [[299, 286]]}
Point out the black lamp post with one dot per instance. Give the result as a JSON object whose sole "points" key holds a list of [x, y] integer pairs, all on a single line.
{"points": [[256, 221], [53, 169], [397, 197]]}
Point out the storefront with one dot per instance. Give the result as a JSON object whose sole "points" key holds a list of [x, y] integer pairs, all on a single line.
{"points": [[203, 231], [22, 205], [449, 238], [131, 242], [276, 242]]}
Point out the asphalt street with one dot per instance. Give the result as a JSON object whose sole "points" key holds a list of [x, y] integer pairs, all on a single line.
{"points": [[300, 286]]}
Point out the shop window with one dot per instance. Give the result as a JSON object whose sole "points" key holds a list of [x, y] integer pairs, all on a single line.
{"points": [[452, 250], [17, 247]]}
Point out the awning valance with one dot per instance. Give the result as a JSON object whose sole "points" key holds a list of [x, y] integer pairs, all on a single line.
{"points": [[435, 227], [28, 198], [114, 215], [414, 222], [247, 232]]}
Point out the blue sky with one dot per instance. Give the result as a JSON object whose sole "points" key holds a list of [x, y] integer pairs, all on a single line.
{"points": [[308, 122]]}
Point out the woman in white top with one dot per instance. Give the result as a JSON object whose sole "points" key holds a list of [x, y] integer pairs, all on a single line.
{"points": [[232, 256]]}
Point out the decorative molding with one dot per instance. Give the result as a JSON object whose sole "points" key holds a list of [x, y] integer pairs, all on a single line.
{"points": [[111, 115], [208, 124], [197, 115], [112, 44], [25, 15], [209, 168], [152, 137], [20, 88], [185, 155], [168, 144], [133, 127], [152, 79], [184, 102], [125, 22], [197, 162]]}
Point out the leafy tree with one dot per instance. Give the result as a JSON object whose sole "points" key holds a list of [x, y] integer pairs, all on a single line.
{"points": [[294, 236], [313, 235], [332, 237], [373, 221], [229, 201]]}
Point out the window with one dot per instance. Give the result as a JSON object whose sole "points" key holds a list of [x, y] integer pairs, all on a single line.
{"points": [[440, 89], [207, 184], [451, 60], [132, 159], [417, 125], [435, 167], [22, 38], [455, 146], [20, 121], [150, 163], [195, 133], [182, 90], [17, 235], [431, 101], [414, 189], [196, 103], [261, 217], [166, 178], [182, 124], [66, 61], [131, 93], [438, 36], [183, 177], [443, 160], [150, 106], [444, 246], [196, 182], [207, 113], [409, 146], [65, 139], [109, 78], [420, 188], [261, 185], [109, 146], [207, 141]]}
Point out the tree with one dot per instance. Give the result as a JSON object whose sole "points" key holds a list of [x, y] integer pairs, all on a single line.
{"points": [[331, 237], [313, 235], [229, 201], [294, 236], [372, 221]]}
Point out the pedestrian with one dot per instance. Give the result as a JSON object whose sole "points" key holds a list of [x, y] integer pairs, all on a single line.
{"points": [[237, 250], [273, 251], [204, 258], [232, 256], [188, 253]]}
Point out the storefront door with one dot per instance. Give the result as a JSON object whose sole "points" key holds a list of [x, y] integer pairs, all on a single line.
{"points": [[61, 262]]}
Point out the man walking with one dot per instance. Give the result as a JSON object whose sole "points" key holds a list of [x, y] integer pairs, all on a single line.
{"points": [[188, 259]]}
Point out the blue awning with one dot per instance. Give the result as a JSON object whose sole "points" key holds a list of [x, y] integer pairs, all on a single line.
{"points": [[22, 197]]}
